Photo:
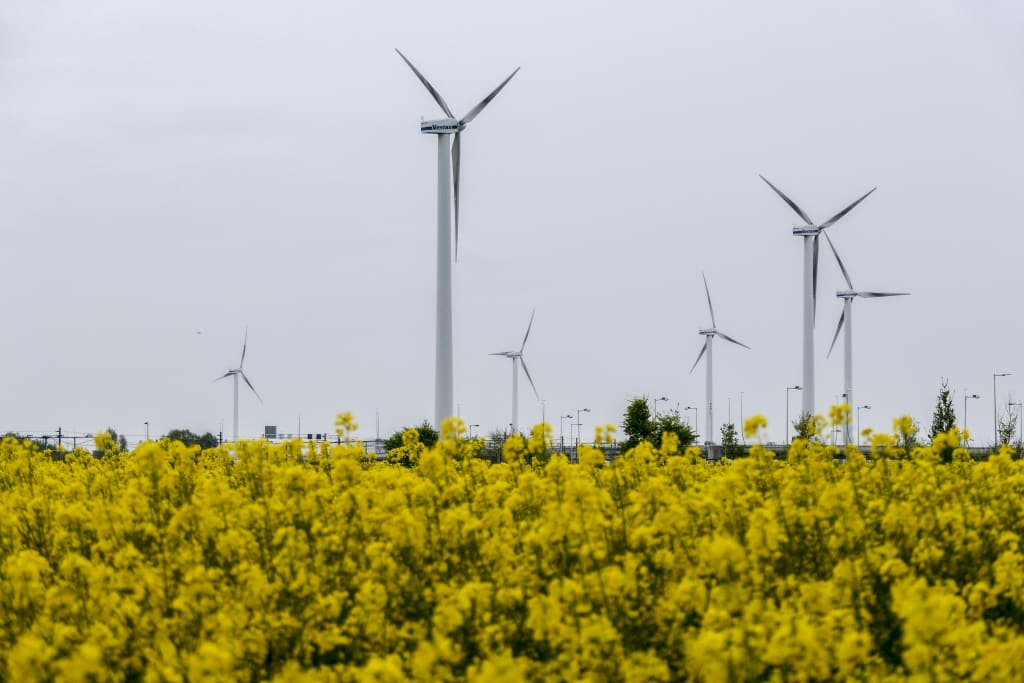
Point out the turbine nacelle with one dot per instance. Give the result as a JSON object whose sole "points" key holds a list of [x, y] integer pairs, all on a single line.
{"points": [[708, 332], [806, 230], [440, 127], [847, 294]]}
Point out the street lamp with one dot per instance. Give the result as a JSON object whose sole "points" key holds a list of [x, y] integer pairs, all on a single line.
{"points": [[561, 427], [694, 417], [995, 425], [663, 398], [967, 396], [579, 425], [789, 389], [865, 407]]}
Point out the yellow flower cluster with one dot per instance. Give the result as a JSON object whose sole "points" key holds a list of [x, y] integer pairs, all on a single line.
{"points": [[310, 562]]}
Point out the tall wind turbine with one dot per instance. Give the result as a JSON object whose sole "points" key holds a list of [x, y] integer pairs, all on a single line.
{"points": [[709, 336], [447, 177], [236, 373], [517, 358], [848, 295], [810, 232]]}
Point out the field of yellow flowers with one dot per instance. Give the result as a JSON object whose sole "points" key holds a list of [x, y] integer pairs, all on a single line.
{"points": [[305, 561]]}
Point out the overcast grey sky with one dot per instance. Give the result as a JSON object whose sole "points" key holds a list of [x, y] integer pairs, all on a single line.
{"points": [[174, 171]]}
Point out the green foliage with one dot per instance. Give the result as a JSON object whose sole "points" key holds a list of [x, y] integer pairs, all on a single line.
{"points": [[428, 436], [1007, 428], [944, 417], [730, 441], [637, 424], [805, 426], [190, 438], [672, 422]]}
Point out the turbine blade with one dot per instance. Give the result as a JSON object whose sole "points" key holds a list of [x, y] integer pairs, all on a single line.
{"points": [[814, 282], [502, 353], [527, 371], [527, 335], [708, 292], [792, 204], [730, 339], [842, 319], [245, 343], [251, 386], [875, 295], [426, 83], [847, 210], [456, 164], [846, 276], [226, 374], [471, 114], [700, 355]]}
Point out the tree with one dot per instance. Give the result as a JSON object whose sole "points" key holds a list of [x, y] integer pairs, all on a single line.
{"points": [[730, 441], [944, 417], [190, 438], [1007, 428], [805, 426], [428, 436], [671, 422], [637, 424]]}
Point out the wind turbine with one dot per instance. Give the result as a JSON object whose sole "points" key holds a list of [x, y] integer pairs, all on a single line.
{"points": [[236, 373], [810, 231], [517, 358], [848, 295], [447, 177], [709, 335]]}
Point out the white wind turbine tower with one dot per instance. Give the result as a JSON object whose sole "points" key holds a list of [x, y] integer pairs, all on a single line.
{"points": [[848, 295], [236, 373], [810, 232], [447, 177], [517, 358], [709, 336]]}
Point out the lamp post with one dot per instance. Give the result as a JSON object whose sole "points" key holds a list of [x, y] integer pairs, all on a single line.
{"points": [[789, 389], [995, 422], [663, 398], [865, 407], [967, 396], [1009, 404], [694, 416], [561, 427], [579, 425]]}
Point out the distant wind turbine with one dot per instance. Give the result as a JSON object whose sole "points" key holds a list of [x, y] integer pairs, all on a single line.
{"points": [[709, 336], [848, 295], [810, 231], [517, 358], [236, 373], [447, 176]]}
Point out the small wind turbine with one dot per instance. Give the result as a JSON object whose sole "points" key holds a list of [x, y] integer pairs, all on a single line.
{"points": [[709, 336], [236, 373], [447, 176], [517, 358], [810, 231], [848, 295]]}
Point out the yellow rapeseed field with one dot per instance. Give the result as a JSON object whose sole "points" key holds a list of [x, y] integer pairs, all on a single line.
{"points": [[304, 561]]}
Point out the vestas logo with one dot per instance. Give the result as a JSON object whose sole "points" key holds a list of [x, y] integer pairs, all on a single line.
{"points": [[439, 126]]}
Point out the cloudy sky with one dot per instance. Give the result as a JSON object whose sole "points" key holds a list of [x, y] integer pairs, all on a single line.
{"points": [[173, 172]]}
